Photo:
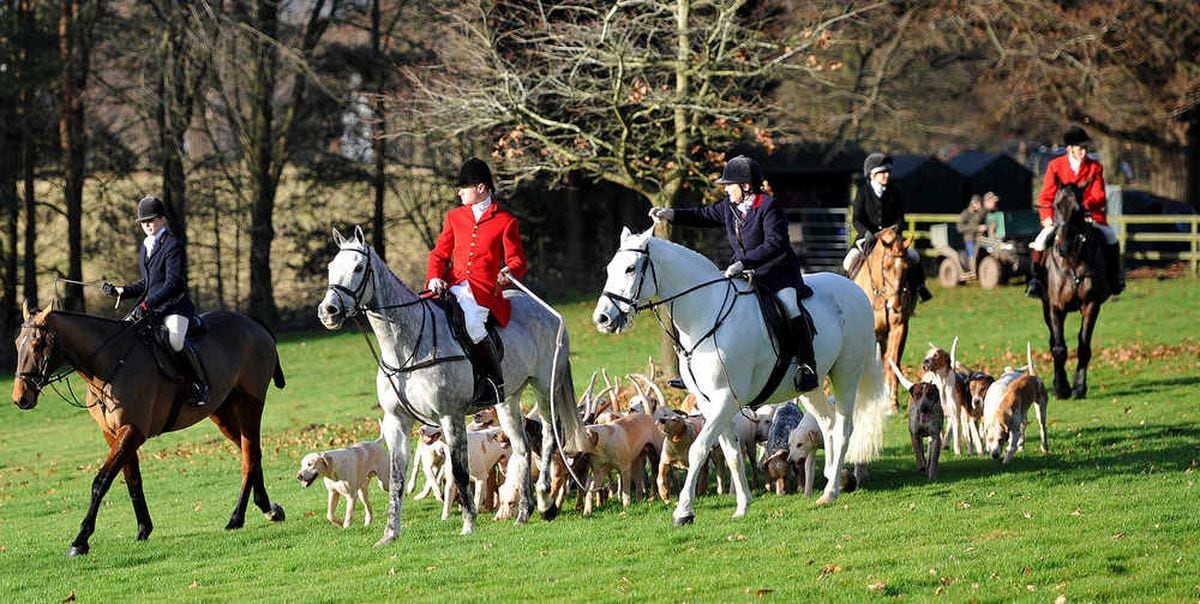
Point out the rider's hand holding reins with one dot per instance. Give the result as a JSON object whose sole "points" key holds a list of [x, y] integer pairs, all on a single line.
{"points": [[110, 290], [504, 279], [735, 269], [437, 286], [662, 214]]}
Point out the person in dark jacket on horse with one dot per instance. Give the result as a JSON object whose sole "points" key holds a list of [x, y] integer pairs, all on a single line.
{"points": [[757, 230], [163, 290], [1077, 168], [876, 207]]}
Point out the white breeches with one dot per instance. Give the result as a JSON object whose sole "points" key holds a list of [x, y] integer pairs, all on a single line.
{"points": [[787, 297], [1043, 238], [475, 315], [176, 330], [856, 251]]}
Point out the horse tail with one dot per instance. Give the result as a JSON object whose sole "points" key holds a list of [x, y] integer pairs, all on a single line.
{"points": [[566, 410], [870, 409]]}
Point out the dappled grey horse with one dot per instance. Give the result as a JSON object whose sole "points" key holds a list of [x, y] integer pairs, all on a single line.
{"points": [[424, 375]]}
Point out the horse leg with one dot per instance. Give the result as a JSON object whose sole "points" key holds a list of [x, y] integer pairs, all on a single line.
{"points": [[455, 433], [395, 431], [698, 454], [1089, 313], [133, 481], [126, 441], [836, 442], [517, 474], [239, 420], [1058, 348], [737, 470]]}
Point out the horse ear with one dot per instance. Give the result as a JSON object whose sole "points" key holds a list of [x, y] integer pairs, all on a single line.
{"points": [[24, 310], [338, 238], [358, 235], [648, 232], [41, 316], [625, 233]]}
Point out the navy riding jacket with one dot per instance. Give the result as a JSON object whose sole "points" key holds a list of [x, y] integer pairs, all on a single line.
{"points": [[162, 286], [873, 212], [759, 240]]}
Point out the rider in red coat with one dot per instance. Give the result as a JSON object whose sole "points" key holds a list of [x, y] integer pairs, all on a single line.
{"points": [[1077, 168], [480, 245]]}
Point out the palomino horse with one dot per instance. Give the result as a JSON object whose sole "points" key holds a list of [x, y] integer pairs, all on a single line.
{"points": [[726, 354], [133, 401], [884, 276], [424, 374], [1075, 280]]}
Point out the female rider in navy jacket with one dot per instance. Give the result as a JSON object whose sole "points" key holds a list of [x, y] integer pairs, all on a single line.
{"points": [[757, 230], [162, 288]]}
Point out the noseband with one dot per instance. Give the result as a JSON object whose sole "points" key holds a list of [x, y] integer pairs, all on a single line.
{"points": [[39, 378], [631, 305], [356, 293]]}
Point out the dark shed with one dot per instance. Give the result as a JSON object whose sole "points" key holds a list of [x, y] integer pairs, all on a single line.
{"points": [[928, 185], [984, 171]]}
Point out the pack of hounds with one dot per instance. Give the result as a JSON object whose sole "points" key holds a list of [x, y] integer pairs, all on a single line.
{"points": [[639, 438]]}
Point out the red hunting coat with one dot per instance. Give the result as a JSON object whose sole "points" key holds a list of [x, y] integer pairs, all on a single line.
{"points": [[1094, 201], [475, 252]]}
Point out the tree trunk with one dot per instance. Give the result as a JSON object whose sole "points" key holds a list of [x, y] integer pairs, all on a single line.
{"points": [[9, 205], [74, 49], [379, 181], [26, 26], [1193, 158], [262, 160]]}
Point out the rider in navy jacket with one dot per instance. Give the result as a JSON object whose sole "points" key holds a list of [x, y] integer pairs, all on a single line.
{"points": [[163, 290], [757, 230]]}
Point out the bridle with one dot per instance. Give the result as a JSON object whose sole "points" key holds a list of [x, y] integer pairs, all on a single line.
{"points": [[881, 291], [40, 376]]}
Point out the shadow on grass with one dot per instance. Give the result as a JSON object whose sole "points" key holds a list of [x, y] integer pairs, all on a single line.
{"points": [[1153, 386], [1095, 452]]}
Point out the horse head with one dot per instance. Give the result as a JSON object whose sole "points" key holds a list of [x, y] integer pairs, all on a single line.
{"points": [[889, 266], [35, 357], [630, 282], [351, 281], [1068, 209]]}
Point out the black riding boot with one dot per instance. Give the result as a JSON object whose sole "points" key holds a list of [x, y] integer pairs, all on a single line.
{"points": [[199, 396], [1116, 275], [1036, 282], [806, 377], [918, 282], [487, 355]]}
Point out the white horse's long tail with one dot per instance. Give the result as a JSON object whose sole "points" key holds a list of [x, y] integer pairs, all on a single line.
{"points": [[870, 411]]}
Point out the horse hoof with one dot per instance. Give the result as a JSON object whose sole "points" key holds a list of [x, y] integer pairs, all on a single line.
{"points": [[235, 523], [143, 535], [685, 520], [276, 514], [386, 539], [825, 500], [550, 514], [1079, 393], [78, 550]]}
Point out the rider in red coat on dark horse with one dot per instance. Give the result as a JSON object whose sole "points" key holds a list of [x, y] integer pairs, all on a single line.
{"points": [[479, 247], [1077, 168]]}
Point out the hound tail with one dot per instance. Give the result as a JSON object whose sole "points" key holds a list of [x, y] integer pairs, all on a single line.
{"points": [[870, 410]]}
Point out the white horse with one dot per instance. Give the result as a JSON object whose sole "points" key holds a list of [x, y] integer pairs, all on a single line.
{"points": [[726, 354], [424, 374]]}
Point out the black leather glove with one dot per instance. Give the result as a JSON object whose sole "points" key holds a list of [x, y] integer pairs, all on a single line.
{"points": [[109, 290]]}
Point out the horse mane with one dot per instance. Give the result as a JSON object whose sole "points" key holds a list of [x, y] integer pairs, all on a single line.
{"points": [[82, 315], [683, 250], [383, 270]]}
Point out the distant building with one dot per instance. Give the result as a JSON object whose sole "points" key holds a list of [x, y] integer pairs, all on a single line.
{"points": [[985, 171], [928, 185]]}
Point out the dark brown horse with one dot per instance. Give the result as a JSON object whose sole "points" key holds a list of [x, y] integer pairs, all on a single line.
{"points": [[883, 275], [132, 399], [1075, 281]]}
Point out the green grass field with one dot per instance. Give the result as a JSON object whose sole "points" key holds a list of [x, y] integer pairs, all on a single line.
{"points": [[1110, 514]]}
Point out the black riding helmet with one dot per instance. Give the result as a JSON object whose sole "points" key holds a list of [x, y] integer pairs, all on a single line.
{"points": [[150, 207], [743, 171], [1075, 136], [876, 162], [475, 171]]}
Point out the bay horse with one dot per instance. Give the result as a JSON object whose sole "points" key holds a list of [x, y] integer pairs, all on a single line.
{"points": [[884, 277], [424, 374], [1076, 280], [133, 400], [727, 353]]}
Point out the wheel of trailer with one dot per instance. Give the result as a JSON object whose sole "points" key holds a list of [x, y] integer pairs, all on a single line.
{"points": [[949, 272], [990, 272]]}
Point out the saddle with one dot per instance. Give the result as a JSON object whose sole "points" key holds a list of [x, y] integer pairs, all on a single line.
{"points": [[458, 328], [779, 327], [157, 339]]}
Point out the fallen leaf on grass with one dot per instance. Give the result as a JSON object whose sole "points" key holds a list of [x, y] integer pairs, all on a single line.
{"points": [[1031, 587], [877, 586], [829, 569], [1077, 513], [70, 597], [194, 585], [735, 538], [1118, 536], [939, 590], [392, 571], [1061, 599], [196, 508], [760, 592], [948, 580]]}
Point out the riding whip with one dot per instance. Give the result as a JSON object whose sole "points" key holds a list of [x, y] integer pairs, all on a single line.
{"points": [[58, 280]]}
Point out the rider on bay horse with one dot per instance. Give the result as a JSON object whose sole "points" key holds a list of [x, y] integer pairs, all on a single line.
{"points": [[876, 207], [757, 230], [479, 246], [163, 290], [1076, 168]]}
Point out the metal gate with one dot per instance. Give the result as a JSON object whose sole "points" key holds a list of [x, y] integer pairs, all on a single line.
{"points": [[820, 237]]}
